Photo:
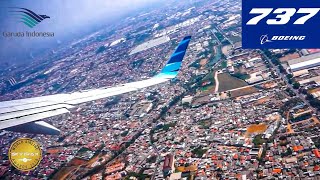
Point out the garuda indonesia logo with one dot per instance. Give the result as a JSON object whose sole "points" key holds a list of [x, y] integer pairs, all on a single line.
{"points": [[28, 17]]}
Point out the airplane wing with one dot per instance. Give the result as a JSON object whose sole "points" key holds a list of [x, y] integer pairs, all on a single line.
{"points": [[24, 115]]}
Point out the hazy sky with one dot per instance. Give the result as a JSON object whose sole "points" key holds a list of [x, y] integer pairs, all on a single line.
{"points": [[67, 17]]}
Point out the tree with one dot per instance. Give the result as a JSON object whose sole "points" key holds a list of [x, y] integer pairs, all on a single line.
{"points": [[241, 75], [315, 103], [289, 76], [309, 97], [304, 91], [199, 151], [282, 70], [258, 140], [100, 49], [296, 85], [186, 104]]}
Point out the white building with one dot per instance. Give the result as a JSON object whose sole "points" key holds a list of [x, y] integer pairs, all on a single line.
{"points": [[304, 62]]}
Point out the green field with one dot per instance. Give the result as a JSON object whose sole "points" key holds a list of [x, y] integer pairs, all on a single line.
{"points": [[227, 82], [209, 77], [207, 88], [234, 39], [224, 64]]}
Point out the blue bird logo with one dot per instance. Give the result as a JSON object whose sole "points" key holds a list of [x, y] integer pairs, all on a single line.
{"points": [[28, 17]]}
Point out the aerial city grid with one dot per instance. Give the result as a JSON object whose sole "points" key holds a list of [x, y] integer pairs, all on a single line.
{"points": [[231, 113]]}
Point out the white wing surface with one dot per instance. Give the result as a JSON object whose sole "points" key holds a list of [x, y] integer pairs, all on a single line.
{"points": [[24, 115]]}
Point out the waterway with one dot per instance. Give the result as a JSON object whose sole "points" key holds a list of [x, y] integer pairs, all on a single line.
{"points": [[217, 56]]}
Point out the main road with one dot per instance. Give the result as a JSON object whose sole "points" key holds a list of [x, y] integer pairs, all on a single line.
{"points": [[284, 78]]}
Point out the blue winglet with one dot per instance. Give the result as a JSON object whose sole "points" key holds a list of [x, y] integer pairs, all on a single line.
{"points": [[173, 65]]}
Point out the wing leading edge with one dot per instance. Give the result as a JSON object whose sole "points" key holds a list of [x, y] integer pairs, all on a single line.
{"points": [[24, 115]]}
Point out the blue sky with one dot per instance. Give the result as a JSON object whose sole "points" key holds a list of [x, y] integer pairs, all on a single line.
{"points": [[67, 17]]}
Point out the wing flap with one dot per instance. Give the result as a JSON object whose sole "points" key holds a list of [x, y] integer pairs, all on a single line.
{"points": [[22, 107], [27, 112], [30, 118]]}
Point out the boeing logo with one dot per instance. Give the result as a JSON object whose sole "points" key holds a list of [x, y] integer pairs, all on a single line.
{"points": [[264, 38]]}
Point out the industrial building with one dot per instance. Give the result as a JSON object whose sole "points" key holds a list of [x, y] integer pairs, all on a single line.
{"points": [[304, 62]]}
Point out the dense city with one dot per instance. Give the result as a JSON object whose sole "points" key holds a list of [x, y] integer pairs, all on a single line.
{"points": [[231, 113]]}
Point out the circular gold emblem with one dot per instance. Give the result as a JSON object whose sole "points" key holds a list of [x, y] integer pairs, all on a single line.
{"points": [[25, 154]]}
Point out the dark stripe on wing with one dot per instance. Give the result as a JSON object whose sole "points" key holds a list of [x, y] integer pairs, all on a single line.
{"points": [[180, 51]]}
